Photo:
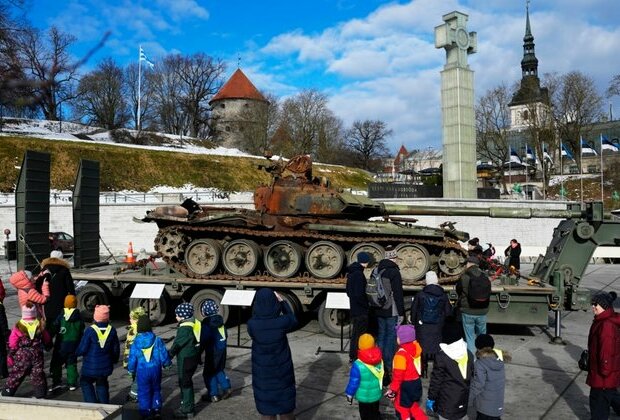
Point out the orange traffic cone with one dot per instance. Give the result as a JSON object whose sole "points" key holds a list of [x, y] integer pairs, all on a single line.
{"points": [[130, 258]]}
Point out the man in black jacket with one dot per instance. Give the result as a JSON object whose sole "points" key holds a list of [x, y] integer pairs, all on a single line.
{"points": [[358, 303], [392, 313]]}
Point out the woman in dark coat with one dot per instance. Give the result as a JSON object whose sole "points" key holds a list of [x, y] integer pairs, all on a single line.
{"points": [[273, 377], [56, 270], [513, 255], [429, 321]]}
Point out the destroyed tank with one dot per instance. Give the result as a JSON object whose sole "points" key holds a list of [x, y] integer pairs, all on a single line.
{"points": [[302, 229]]}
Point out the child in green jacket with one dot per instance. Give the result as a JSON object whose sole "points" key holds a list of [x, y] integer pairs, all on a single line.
{"points": [[366, 378], [68, 329], [186, 348]]}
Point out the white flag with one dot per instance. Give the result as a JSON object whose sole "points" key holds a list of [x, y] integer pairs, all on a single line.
{"points": [[144, 58]]}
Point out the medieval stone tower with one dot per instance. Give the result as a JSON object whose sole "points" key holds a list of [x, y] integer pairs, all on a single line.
{"points": [[239, 114]]}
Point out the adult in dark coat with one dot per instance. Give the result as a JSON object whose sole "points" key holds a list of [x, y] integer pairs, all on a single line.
{"points": [[513, 254], [429, 334], [358, 302], [60, 283], [604, 357], [273, 375]]}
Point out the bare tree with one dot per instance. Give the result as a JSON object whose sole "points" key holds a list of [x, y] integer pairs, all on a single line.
{"points": [[492, 129], [100, 97], [576, 105], [47, 63], [367, 140], [614, 86]]}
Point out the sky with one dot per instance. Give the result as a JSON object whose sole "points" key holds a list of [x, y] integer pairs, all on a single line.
{"points": [[373, 59]]}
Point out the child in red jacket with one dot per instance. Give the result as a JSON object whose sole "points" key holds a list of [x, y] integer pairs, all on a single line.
{"points": [[406, 387]]}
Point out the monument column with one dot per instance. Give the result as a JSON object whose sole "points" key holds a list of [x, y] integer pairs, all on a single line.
{"points": [[457, 107]]}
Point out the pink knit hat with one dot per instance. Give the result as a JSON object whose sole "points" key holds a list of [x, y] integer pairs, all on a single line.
{"points": [[405, 333], [29, 314], [102, 313]]}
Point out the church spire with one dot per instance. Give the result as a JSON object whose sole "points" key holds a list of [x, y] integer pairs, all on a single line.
{"points": [[529, 64]]}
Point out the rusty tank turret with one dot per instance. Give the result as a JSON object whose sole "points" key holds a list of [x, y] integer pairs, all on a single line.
{"points": [[303, 228]]}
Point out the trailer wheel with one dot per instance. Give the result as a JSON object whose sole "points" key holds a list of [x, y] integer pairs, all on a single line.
{"points": [[203, 294], [293, 302], [159, 308], [90, 296], [331, 319]]}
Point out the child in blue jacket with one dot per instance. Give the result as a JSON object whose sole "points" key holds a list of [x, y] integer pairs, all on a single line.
{"points": [[147, 356], [213, 342]]}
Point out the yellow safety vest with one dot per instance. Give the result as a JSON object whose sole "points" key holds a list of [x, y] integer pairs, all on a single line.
{"points": [[500, 354], [462, 362], [148, 352], [196, 325], [31, 326], [375, 370], [102, 336], [68, 313]]}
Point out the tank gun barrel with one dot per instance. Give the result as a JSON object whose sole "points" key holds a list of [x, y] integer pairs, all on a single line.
{"points": [[501, 212]]}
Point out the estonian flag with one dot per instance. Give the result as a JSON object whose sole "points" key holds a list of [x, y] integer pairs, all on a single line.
{"points": [[566, 153], [529, 154], [607, 145], [514, 157], [144, 58], [587, 149], [546, 155]]}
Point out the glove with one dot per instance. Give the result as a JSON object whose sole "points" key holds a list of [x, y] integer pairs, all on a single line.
{"points": [[400, 320], [350, 399], [391, 395], [430, 405]]}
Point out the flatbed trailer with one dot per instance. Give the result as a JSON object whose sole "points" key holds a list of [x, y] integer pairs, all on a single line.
{"points": [[519, 303]]}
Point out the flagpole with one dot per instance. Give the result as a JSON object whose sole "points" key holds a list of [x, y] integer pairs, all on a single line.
{"points": [[542, 165], [139, 86], [510, 167], [561, 170], [581, 167], [602, 195], [526, 170]]}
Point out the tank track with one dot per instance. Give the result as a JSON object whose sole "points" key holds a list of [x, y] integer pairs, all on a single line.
{"points": [[266, 277]]}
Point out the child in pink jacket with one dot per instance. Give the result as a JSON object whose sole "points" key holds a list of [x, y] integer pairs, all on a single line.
{"points": [[26, 344], [27, 293]]}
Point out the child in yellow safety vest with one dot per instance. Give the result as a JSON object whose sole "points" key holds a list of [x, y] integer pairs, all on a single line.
{"points": [[100, 350], [26, 343], [147, 357], [68, 328], [134, 315], [366, 378], [406, 386], [186, 348]]}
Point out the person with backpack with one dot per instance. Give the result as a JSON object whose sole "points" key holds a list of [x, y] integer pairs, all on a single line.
{"points": [[604, 357], [429, 310], [391, 313], [358, 303], [474, 296]]}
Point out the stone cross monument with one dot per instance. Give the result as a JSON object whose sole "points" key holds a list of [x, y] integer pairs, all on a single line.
{"points": [[457, 107]]}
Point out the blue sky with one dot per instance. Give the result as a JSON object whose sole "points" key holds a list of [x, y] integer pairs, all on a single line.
{"points": [[374, 59]]}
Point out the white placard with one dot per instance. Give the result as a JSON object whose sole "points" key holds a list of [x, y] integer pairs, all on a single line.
{"points": [[233, 297], [337, 301], [147, 291]]}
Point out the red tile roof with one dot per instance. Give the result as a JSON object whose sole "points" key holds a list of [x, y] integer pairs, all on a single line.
{"points": [[238, 87]]}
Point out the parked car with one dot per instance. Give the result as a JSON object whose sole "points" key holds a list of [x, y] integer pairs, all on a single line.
{"points": [[61, 241]]}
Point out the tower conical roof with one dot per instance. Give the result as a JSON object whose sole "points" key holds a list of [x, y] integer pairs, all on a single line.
{"points": [[238, 87]]}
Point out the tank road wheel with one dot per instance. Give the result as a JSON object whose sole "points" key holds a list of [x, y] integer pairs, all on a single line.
{"points": [[451, 262], [413, 261], [203, 256], [90, 296], [159, 307], [283, 259], [375, 250], [330, 321], [171, 244], [324, 259], [214, 294], [241, 257]]}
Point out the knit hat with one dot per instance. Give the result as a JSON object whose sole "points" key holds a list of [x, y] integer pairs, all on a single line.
{"points": [[29, 313], [405, 333], [70, 301], [136, 313], [144, 324], [366, 341], [102, 313], [483, 341], [473, 241], [390, 252], [363, 258], [56, 254], [209, 308], [604, 300], [431, 277], [184, 310]]}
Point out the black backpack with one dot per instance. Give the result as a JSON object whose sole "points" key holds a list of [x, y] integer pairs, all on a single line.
{"points": [[431, 309], [379, 290], [479, 291]]}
